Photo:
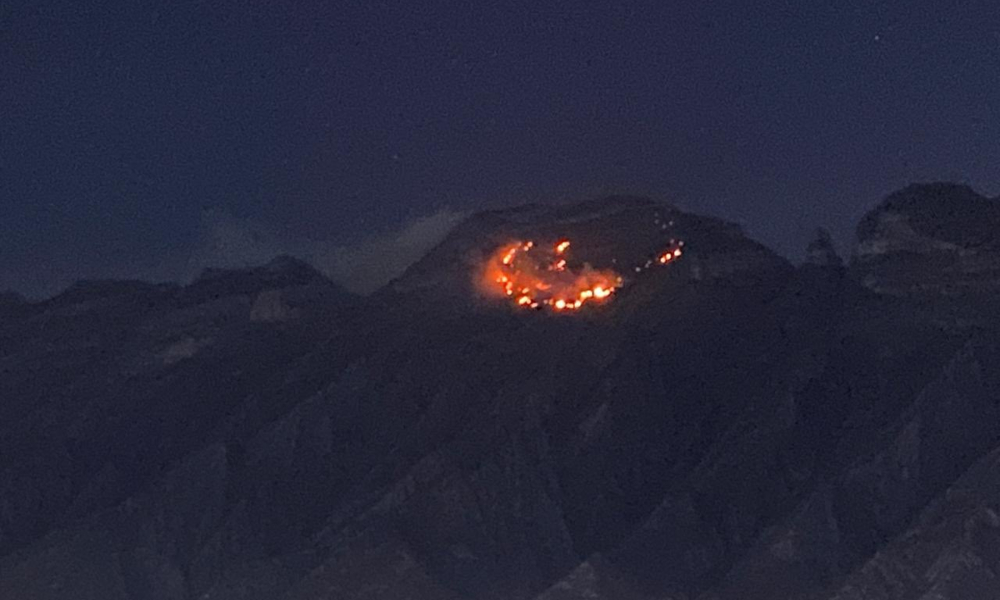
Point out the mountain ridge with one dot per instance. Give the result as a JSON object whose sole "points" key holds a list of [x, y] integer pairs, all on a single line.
{"points": [[728, 426]]}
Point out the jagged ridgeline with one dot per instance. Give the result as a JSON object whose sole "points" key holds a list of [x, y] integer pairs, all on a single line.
{"points": [[725, 426]]}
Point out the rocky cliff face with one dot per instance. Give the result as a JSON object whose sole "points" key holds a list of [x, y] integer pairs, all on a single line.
{"points": [[728, 427], [935, 241]]}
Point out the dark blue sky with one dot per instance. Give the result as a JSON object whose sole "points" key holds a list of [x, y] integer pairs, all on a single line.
{"points": [[123, 125]]}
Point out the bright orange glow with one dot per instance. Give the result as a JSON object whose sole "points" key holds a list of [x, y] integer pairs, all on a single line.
{"points": [[545, 276], [670, 254], [539, 277]]}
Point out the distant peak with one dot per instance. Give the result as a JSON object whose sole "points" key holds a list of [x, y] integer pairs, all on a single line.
{"points": [[280, 268], [289, 264], [947, 212], [938, 195], [279, 273], [821, 251], [937, 238]]}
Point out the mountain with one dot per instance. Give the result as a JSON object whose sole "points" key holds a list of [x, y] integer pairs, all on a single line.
{"points": [[938, 243], [727, 425]]}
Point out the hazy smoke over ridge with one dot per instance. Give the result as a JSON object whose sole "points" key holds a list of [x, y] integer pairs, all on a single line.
{"points": [[366, 266], [229, 242]]}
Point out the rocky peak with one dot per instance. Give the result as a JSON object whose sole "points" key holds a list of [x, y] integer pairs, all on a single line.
{"points": [[291, 267], [621, 233], [938, 239], [282, 272], [944, 215], [821, 252]]}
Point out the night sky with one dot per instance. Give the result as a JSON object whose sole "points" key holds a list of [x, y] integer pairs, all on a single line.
{"points": [[147, 140]]}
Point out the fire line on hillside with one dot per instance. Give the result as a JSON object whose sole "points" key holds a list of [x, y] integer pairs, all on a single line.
{"points": [[539, 277]]}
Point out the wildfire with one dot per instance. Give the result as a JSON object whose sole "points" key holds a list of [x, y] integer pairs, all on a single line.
{"points": [[544, 277], [670, 255]]}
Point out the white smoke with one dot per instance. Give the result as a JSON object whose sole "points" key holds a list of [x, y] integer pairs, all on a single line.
{"points": [[226, 241], [370, 264]]}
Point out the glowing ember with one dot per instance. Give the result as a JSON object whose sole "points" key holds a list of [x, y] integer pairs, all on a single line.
{"points": [[536, 278], [671, 254], [545, 277]]}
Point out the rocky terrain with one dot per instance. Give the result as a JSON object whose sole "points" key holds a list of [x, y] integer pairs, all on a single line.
{"points": [[731, 426]]}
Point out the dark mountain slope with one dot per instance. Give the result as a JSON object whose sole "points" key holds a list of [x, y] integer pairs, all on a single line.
{"points": [[728, 427], [108, 383]]}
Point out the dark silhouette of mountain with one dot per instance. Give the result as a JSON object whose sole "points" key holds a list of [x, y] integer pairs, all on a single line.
{"points": [[821, 252], [939, 243], [730, 426]]}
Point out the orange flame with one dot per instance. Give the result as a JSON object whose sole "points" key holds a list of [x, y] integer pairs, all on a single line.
{"points": [[536, 278], [671, 254]]}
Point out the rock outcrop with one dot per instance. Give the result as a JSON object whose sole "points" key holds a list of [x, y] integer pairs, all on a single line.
{"points": [[821, 251], [933, 238]]}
